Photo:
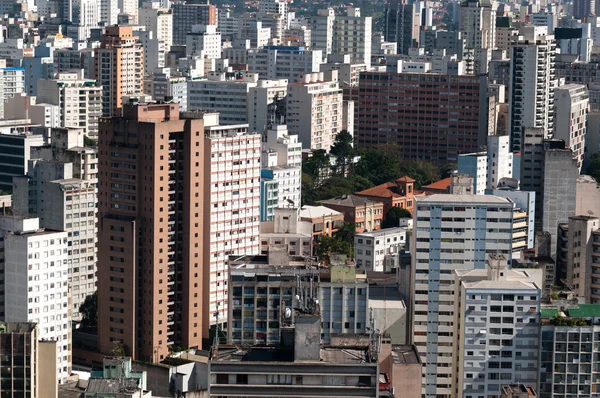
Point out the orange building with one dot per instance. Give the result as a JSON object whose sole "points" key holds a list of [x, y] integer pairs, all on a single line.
{"points": [[119, 68], [399, 193], [324, 221], [364, 213]]}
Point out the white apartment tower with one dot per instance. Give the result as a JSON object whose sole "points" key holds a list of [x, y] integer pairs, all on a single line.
{"points": [[321, 29], [282, 163], [315, 110], [571, 109], [496, 336], [109, 10], [204, 41], [499, 159], [263, 105], [477, 21], [79, 100], [452, 232], [531, 89], [234, 203], [352, 35], [157, 20], [222, 93], [274, 7], [35, 280]]}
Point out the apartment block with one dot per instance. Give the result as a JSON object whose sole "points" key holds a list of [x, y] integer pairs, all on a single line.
{"points": [[15, 151], [379, 251], [118, 68], [35, 279], [152, 281], [286, 230], [436, 126], [401, 25], [315, 110], [476, 165], [582, 247], [167, 86], [61, 189], [477, 21], [283, 62], [571, 110], [20, 365], [264, 106], [352, 35], [223, 93], [570, 338], [499, 158], [203, 40], [531, 91], [185, 15], [79, 100], [157, 20], [496, 337], [452, 232]]}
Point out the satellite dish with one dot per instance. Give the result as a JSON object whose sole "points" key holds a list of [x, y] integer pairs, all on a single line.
{"points": [[288, 313], [316, 301], [297, 298]]}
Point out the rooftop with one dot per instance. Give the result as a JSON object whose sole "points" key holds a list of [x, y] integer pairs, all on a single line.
{"points": [[519, 388], [383, 232], [98, 385], [463, 199], [387, 190], [348, 200], [438, 185], [329, 355], [405, 354], [317, 212]]}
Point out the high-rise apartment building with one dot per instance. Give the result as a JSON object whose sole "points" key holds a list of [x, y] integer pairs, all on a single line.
{"points": [[531, 90], [203, 41], [157, 20], [477, 21], [570, 346], [496, 335], [152, 287], [401, 25], [265, 105], [549, 169], [35, 280], [429, 116], [452, 232], [583, 8], [190, 13], [19, 359], [163, 260], [109, 10], [583, 262], [119, 68], [15, 152], [283, 62], [352, 35], [499, 158], [572, 104], [315, 109], [223, 93], [321, 30], [79, 100], [60, 189]]}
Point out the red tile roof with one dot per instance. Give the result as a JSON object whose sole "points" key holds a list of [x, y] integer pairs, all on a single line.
{"points": [[386, 190], [438, 185]]}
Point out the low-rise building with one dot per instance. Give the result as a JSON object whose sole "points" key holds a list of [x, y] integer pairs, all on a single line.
{"points": [[117, 379], [324, 221], [380, 250], [364, 213], [399, 193]]}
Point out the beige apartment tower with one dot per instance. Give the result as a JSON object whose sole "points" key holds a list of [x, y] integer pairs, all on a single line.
{"points": [[152, 288], [119, 67]]}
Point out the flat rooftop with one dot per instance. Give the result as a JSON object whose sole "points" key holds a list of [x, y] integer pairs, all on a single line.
{"points": [[112, 385], [329, 355], [463, 199], [405, 354]]}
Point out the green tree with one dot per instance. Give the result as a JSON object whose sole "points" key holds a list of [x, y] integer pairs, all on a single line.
{"points": [[447, 169], [593, 168], [89, 312], [346, 233], [87, 141], [343, 151], [378, 166], [393, 216], [307, 190], [328, 246], [316, 165]]}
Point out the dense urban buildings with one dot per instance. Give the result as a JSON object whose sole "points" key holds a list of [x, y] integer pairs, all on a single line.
{"points": [[281, 198]]}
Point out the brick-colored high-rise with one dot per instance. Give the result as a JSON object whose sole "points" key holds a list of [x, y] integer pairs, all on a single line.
{"points": [[427, 116], [152, 290], [119, 67], [177, 197]]}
